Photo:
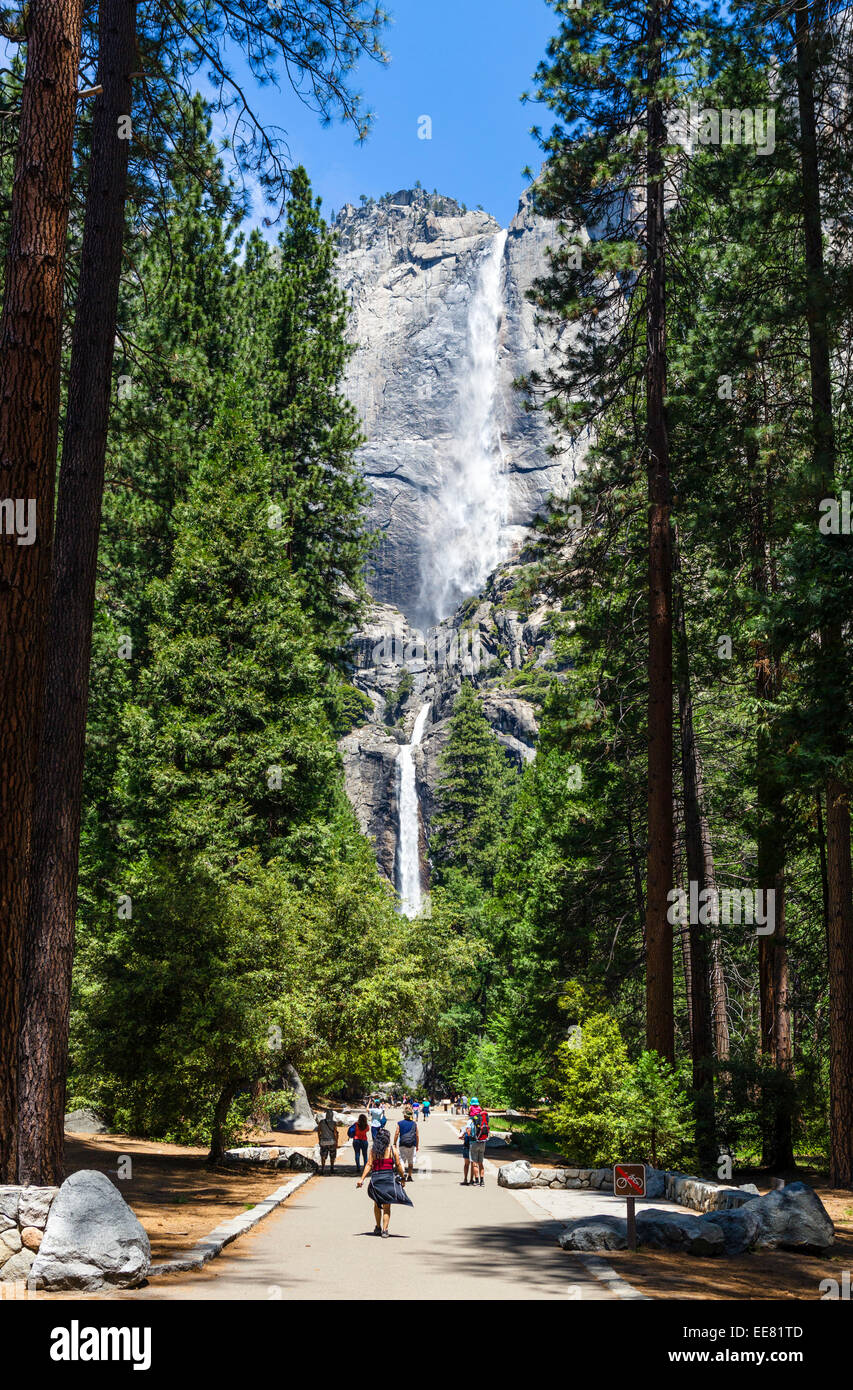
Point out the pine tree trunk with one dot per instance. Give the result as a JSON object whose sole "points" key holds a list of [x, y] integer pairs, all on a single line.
{"points": [[30, 344], [700, 870], [840, 985], [773, 991], [56, 825], [840, 900], [660, 1023], [684, 927]]}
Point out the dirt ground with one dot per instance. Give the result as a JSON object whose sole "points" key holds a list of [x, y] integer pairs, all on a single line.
{"points": [[178, 1199]]}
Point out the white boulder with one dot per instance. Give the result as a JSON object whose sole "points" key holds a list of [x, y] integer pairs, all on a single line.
{"points": [[92, 1238]]}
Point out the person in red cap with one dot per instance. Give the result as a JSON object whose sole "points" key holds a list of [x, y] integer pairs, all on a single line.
{"points": [[477, 1130]]}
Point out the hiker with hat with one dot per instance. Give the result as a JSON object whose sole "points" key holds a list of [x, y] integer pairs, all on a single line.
{"points": [[477, 1130], [407, 1139]]}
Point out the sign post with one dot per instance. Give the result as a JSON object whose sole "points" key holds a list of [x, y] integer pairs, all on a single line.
{"points": [[629, 1181]]}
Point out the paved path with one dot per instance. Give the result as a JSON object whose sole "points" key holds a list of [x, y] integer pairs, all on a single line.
{"points": [[454, 1243]]}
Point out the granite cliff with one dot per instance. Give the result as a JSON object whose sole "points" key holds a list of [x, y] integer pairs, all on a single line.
{"points": [[458, 469]]}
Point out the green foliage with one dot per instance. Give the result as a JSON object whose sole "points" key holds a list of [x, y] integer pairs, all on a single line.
{"points": [[585, 1118], [473, 794], [396, 699], [655, 1122]]}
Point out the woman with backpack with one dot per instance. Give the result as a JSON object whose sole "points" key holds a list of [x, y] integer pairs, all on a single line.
{"points": [[407, 1139], [358, 1133], [477, 1129], [387, 1180]]}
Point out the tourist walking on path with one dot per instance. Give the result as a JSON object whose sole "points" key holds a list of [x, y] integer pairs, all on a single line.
{"points": [[377, 1117], [327, 1135], [407, 1140], [477, 1129], [387, 1180], [466, 1155], [425, 1108], [359, 1133]]}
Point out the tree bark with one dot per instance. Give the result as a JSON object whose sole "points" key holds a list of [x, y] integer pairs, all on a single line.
{"points": [[220, 1115], [773, 988], [56, 824], [700, 870], [808, 32], [30, 345], [660, 1022]]}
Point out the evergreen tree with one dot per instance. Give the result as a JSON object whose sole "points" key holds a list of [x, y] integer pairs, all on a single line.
{"points": [[472, 796], [611, 76], [292, 328]]}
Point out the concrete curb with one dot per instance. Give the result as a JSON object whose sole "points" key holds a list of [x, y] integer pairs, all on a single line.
{"points": [[214, 1243]]}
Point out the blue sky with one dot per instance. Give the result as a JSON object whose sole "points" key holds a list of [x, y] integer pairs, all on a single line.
{"points": [[464, 63]]}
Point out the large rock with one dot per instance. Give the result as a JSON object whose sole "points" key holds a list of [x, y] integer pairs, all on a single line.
{"points": [[84, 1122], [499, 1140], [595, 1233], [678, 1230], [300, 1120], [655, 1182], [515, 1175], [741, 1227], [10, 1243], [92, 1238], [793, 1218]]}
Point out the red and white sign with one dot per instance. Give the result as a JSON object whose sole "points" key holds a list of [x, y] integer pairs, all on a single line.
{"points": [[629, 1179]]}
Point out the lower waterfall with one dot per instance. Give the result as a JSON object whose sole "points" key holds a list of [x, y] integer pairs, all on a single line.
{"points": [[408, 826]]}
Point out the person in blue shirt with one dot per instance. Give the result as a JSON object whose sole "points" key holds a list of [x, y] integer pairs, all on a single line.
{"points": [[406, 1139]]}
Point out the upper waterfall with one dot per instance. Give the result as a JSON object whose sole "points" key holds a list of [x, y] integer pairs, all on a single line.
{"points": [[443, 325], [468, 510]]}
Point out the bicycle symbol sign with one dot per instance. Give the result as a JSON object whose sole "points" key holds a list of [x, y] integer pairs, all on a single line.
{"points": [[629, 1180]]}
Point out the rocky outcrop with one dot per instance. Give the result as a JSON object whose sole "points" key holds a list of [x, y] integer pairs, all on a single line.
{"points": [[91, 1238], [413, 266], [793, 1218], [409, 265], [84, 1122], [508, 654], [300, 1120]]}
